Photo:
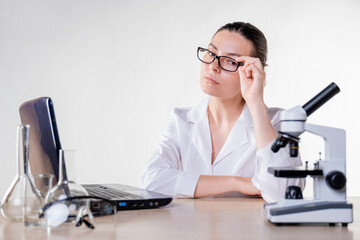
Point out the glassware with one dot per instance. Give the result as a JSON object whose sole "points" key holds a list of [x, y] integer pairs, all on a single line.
{"points": [[69, 202], [35, 193], [67, 188], [12, 203]]}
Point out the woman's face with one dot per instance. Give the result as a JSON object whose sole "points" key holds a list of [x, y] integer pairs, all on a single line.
{"points": [[215, 81]]}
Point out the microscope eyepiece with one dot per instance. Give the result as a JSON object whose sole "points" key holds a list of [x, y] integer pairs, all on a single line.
{"points": [[321, 98]]}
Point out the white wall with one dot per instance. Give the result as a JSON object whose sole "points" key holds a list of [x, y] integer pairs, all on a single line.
{"points": [[115, 69]]}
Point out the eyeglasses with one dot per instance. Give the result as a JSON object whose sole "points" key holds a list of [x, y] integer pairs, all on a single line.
{"points": [[75, 209], [227, 63]]}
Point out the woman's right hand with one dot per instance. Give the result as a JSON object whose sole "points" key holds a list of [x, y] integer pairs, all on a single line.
{"points": [[252, 79]]}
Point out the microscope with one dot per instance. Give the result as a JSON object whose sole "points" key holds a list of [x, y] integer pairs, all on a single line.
{"points": [[329, 204]]}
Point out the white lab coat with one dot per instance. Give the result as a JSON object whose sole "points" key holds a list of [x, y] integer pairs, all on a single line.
{"points": [[184, 153]]}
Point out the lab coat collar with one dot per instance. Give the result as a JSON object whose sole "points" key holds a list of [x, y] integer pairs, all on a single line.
{"points": [[238, 137], [199, 112]]}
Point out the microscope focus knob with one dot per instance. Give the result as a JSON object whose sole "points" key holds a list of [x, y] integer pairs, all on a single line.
{"points": [[336, 179], [293, 192]]}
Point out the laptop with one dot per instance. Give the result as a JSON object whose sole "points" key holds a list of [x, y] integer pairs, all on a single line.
{"points": [[44, 146]]}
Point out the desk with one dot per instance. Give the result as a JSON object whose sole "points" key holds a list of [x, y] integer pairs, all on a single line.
{"points": [[211, 218]]}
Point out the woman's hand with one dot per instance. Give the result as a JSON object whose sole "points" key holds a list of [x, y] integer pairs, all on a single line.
{"points": [[210, 185], [252, 79], [252, 82]]}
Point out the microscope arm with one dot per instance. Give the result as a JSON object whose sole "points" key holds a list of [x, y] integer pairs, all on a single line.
{"points": [[335, 141]]}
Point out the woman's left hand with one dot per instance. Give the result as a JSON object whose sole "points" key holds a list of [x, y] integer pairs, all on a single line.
{"points": [[252, 79]]}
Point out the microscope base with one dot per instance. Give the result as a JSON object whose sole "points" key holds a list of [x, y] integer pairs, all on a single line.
{"points": [[291, 211]]}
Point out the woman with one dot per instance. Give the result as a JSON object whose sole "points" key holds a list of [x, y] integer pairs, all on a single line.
{"points": [[222, 146]]}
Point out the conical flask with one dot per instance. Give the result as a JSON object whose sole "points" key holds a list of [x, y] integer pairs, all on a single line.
{"points": [[12, 204], [67, 188]]}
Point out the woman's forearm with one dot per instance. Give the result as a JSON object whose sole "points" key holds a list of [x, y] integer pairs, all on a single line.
{"points": [[264, 131], [215, 185]]}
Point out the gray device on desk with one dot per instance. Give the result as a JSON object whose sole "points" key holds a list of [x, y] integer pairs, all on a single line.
{"points": [[44, 158], [329, 204]]}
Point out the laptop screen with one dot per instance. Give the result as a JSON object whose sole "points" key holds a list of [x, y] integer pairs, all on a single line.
{"points": [[44, 139]]}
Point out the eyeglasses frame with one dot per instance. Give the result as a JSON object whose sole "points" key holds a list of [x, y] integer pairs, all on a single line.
{"points": [[81, 218], [218, 58]]}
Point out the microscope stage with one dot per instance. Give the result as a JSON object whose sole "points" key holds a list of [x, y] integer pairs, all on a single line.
{"points": [[294, 172]]}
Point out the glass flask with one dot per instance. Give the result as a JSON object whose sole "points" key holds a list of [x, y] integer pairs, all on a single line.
{"points": [[12, 204], [38, 187], [66, 187]]}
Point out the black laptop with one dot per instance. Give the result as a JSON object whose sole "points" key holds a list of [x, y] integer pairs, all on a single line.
{"points": [[44, 149]]}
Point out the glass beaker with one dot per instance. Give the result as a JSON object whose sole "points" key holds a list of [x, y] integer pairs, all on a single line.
{"points": [[66, 187], [12, 203], [35, 193]]}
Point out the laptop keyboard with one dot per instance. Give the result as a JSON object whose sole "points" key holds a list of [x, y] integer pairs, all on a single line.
{"points": [[108, 193]]}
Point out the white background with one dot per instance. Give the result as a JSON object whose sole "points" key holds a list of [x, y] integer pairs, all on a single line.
{"points": [[115, 69]]}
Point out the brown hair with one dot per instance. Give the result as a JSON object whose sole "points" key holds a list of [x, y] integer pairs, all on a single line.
{"points": [[251, 33]]}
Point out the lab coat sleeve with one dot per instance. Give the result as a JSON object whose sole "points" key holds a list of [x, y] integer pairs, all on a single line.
{"points": [[163, 172], [273, 188]]}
